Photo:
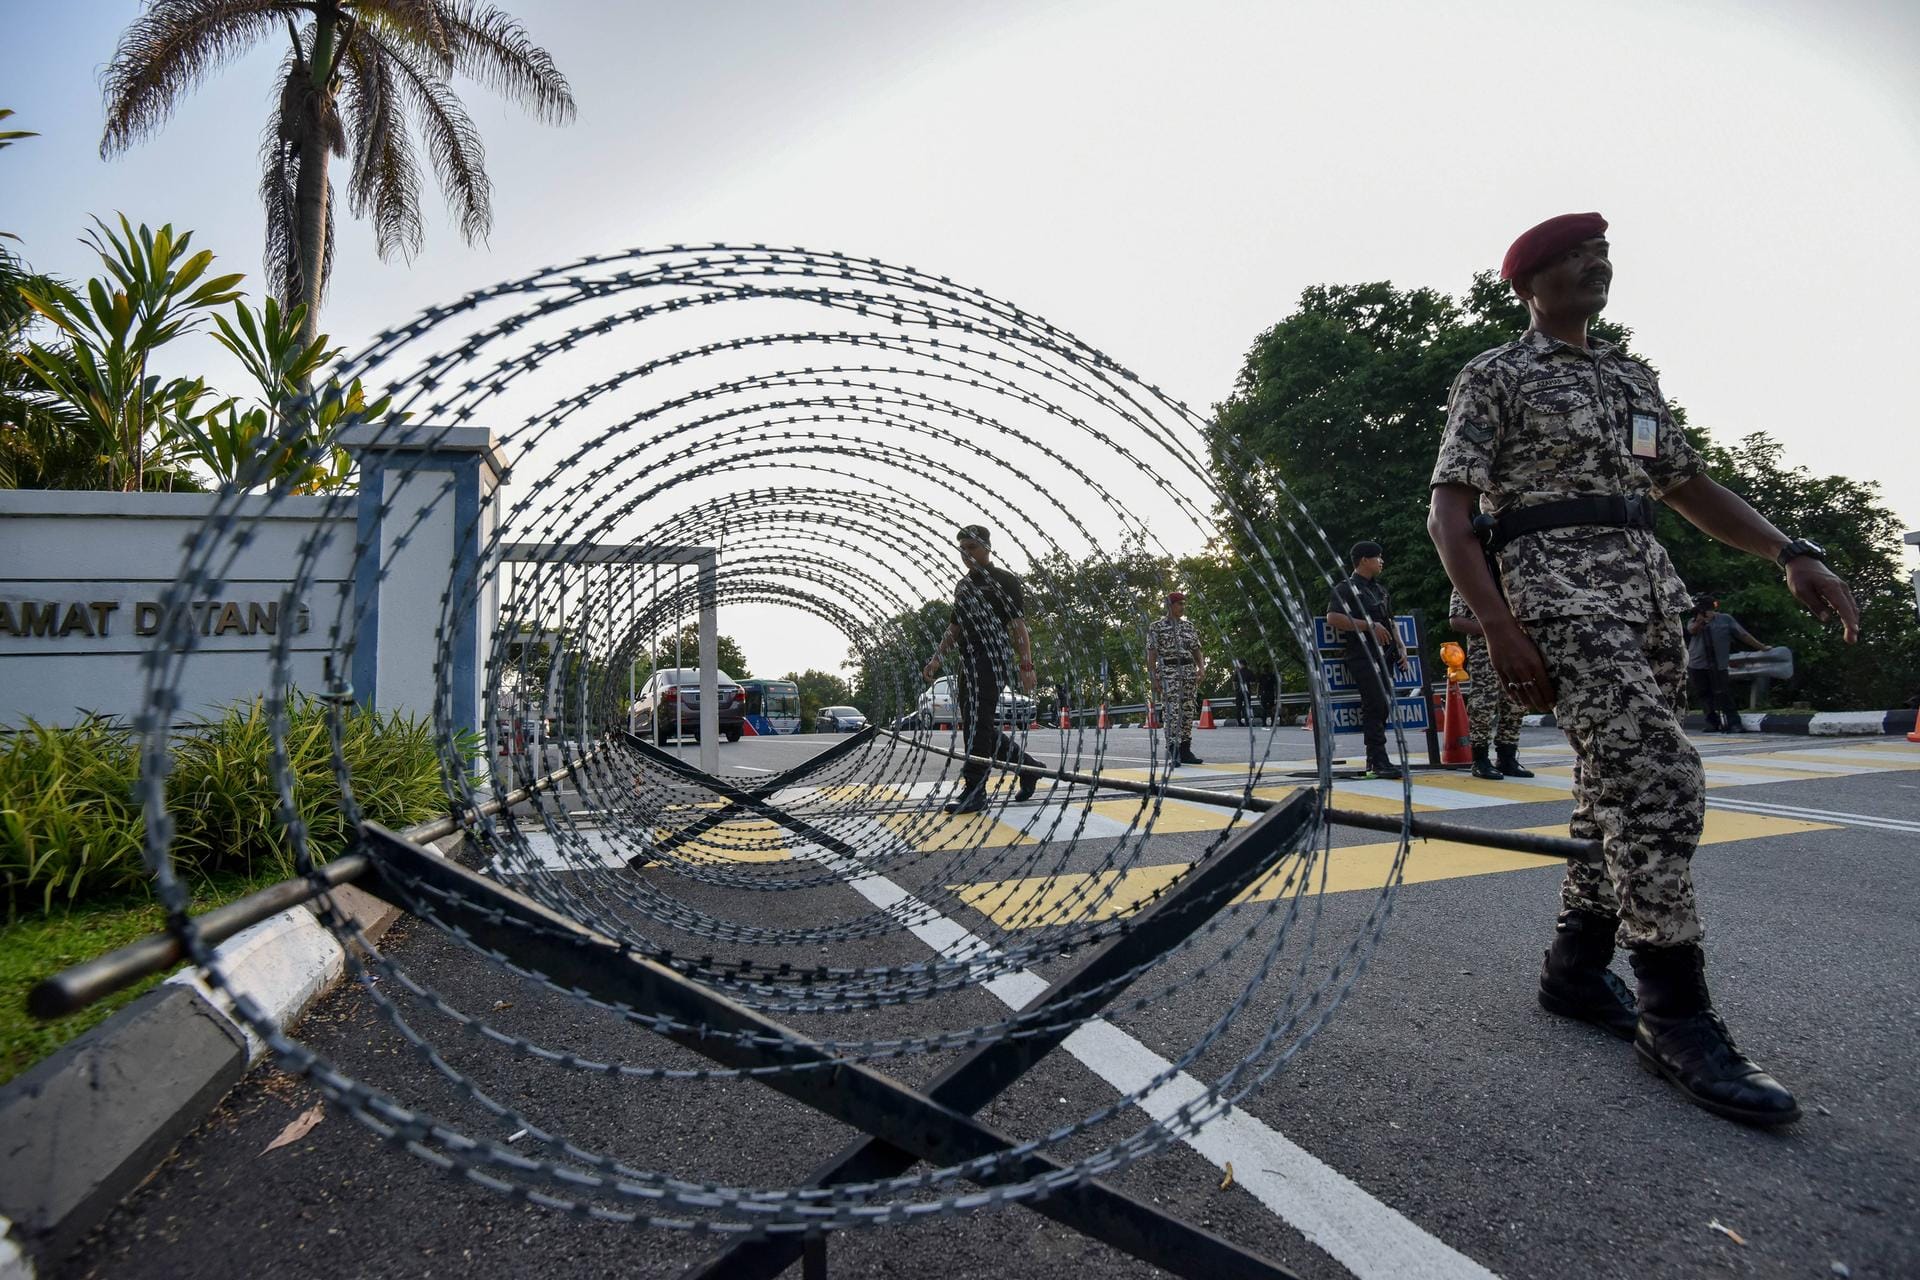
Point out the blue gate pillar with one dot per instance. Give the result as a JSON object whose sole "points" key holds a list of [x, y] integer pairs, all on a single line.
{"points": [[425, 597]]}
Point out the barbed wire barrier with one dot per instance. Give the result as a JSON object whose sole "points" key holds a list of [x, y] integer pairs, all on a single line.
{"points": [[824, 424]]}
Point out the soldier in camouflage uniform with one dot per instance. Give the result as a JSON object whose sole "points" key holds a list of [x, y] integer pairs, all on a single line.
{"points": [[1175, 667], [1566, 442], [1492, 713]]}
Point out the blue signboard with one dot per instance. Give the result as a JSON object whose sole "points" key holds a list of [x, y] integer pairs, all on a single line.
{"points": [[1412, 713], [1410, 705], [1330, 641], [1408, 679]]}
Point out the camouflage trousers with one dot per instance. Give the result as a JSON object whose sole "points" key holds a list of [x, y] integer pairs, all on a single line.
{"points": [[1495, 718], [1641, 790], [1178, 687]]}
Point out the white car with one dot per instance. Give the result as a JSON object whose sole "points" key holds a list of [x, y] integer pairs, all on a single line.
{"points": [[937, 707]]}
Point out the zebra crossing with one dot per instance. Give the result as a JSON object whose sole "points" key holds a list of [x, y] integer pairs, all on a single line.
{"points": [[1048, 818]]}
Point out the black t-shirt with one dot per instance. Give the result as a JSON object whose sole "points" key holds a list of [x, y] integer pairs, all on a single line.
{"points": [[984, 602], [1358, 598]]}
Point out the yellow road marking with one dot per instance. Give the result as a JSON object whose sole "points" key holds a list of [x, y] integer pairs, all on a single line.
{"points": [[1888, 757], [1518, 792], [1740, 768], [743, 840], [937, 832], [1034, 901]]}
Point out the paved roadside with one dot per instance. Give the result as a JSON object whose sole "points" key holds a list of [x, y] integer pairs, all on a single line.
{"points": [[1531, 1147]]}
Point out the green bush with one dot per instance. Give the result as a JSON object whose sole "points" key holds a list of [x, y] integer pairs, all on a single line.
{"points": [[69, 827], [72, 830]]}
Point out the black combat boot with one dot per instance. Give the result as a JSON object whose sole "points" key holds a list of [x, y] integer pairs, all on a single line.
{"points": [[1575, 981], [971, 800], [1186, 752], [1483, 767], [1383, 768], [1507, 761], [1682, 1038]]}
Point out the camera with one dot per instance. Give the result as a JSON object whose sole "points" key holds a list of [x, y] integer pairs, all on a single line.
{"points": [[1705, 603]]}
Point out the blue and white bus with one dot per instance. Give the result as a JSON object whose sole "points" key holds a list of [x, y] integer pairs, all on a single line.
{"points": [[773, 706]]}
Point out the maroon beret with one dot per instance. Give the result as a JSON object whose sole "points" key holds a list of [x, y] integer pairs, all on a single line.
{"points": [[1541, 245]]}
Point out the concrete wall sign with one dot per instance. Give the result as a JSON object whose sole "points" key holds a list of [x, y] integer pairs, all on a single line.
{"points": [[83, 578]]}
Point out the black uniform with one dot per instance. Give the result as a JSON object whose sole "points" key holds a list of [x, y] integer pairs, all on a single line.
{"points": [[1360, 597], [985, 601], [1269, 695]]}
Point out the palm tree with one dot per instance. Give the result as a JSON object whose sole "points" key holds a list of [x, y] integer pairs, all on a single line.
{"points": [[356, 73]]}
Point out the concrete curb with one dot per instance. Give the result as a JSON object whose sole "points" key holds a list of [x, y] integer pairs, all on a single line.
{"points": [[1820, 724], [87, 1125]]}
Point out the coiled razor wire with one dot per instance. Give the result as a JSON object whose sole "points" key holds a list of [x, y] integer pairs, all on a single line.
{"points": [[825, 424]]}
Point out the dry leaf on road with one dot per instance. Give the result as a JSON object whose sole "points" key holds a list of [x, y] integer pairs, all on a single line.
{"points": [[298, 1127]]}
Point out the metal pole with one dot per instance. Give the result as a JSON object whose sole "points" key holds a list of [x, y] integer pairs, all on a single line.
{"points": [[633, 609], [679, 629], [991, 1069], [706, 579], [733, 1035], [1427, 828]]}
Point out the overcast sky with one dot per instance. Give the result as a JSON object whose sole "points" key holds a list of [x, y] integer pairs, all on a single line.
{"points": [[1162, 180]]}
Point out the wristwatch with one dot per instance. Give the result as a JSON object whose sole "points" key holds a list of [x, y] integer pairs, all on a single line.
{"points": [[1801, 547]]}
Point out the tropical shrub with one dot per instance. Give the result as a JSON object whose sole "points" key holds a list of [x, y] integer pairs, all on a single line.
{"points": [[69, 825], [71, 830]]}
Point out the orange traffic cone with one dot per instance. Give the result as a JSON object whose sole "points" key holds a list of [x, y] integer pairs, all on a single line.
{"points": [[1104, 722], [1066, 722], [746, 728], [1153, 716], [1915, 735], [1206, 717], [1456, 738]]}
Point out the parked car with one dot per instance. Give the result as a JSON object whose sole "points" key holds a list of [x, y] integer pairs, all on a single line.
{"points": [[838, 720], [670, 702], [937, 708]]}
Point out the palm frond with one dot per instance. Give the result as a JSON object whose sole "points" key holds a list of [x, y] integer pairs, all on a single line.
{"points": [[170, 48], [415, 24], [386, 173], [453, 145], [495, 50]]}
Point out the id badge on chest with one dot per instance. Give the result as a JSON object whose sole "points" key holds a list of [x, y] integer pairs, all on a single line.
{"points": [[1646, 435]]}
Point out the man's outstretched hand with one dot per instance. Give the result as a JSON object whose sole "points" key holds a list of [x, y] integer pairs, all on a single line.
{"points": [[1824, 594]]}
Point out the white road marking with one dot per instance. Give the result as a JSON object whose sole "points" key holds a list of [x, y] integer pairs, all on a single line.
{"points": [[1818, 815], [1334, 1213]]}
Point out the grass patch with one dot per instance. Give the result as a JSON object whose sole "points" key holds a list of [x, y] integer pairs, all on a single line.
{"points": [[35, 947]]}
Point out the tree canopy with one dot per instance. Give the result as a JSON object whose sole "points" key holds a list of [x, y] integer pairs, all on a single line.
{"points": [[1344, 402]]}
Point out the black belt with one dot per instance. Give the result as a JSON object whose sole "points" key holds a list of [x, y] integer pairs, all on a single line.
{"points": [[1176, 662], [1600, 510]]}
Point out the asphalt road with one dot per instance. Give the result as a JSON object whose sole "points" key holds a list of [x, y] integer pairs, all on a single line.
{"points": [[1472, 1133]]}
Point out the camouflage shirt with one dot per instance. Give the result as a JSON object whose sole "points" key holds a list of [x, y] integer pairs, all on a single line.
{"points": [[1176, 641], [1538, 420]]}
